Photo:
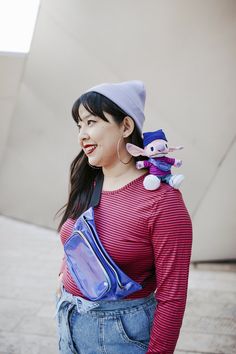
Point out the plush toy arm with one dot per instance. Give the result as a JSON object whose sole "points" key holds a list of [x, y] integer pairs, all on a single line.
{"points": [[140, 164], [178, 163]]}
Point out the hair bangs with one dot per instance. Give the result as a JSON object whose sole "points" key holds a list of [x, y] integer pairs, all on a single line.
{"points": [[93, 103]]}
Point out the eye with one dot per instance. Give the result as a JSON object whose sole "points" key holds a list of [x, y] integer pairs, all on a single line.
{"points": [[78, 125], [152, 148], [90, 121], [166, 145]]}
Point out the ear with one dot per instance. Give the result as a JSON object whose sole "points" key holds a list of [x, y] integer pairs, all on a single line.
{"points": [[135, 150], [172, 148], [128, 126]]}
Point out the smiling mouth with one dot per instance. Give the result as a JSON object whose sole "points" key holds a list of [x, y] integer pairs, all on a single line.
{"points": [[89, 149]]}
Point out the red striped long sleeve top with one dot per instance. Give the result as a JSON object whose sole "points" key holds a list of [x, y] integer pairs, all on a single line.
{"points": [[149, 235]]}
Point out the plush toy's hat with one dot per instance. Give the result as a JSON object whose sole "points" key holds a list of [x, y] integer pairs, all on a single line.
{"points": [[150, 136], [128, 95]]}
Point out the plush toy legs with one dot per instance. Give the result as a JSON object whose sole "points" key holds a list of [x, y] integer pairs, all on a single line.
{"points": [[176, 180], [151, 182]]}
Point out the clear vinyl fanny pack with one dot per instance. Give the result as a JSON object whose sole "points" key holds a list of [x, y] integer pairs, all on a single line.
{"points": [[93, 270]]}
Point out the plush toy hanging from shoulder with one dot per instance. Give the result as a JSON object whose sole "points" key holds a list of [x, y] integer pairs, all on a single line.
{"points": [[156, 148]]}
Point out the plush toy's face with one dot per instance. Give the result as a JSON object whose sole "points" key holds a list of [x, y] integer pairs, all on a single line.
{"points": [[156, 148]]}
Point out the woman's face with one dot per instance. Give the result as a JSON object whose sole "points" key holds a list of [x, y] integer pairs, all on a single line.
{"points": [[99, 138]]}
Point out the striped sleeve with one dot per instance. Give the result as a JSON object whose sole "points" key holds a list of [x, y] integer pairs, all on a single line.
{"points": [[171, 230], [63, 265]]}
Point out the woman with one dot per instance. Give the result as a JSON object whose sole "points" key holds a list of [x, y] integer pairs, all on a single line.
{"points": [[147, 233]]}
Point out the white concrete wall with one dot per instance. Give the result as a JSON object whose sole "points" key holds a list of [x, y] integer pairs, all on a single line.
{"points": [[185, 53], [11, 69]]}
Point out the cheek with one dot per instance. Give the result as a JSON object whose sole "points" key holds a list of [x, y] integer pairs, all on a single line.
{"points": [[110, 146], [110, 139]]}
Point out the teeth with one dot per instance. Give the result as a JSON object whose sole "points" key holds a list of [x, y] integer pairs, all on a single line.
{"points": [[91, 148]]}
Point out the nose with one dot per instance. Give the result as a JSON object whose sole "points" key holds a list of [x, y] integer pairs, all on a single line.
{"points": [[161, 147], [83, 135]]}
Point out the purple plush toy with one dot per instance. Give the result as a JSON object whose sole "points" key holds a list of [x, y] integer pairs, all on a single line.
{"points": [[156, 148]]}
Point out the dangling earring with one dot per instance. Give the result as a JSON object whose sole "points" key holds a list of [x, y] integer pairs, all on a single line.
{"points": [[118, 153]]}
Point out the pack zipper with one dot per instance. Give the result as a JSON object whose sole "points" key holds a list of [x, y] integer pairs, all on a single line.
{"points": [[104, 256]]}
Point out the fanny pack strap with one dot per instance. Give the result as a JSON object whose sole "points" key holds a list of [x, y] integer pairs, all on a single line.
{"points": [[96, 195]]}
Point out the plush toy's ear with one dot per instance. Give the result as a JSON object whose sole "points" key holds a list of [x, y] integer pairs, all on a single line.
{"points": [[172, 148], [135, 150]]}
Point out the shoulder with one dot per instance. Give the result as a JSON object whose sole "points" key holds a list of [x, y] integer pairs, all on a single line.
{"points": [[162, 198], [168, 194], [169, 215], [165, 193], [135, 198], [137, 190], [166, 200]]}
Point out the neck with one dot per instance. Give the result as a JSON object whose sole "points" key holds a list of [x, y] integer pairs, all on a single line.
{"points": [[120, 175], [118, 170]]}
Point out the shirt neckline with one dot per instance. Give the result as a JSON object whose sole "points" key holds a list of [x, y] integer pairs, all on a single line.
{"points": [[126, 186]]}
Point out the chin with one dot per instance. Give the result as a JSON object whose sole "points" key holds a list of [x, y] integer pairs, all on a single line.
{"points": [[94, 163]]}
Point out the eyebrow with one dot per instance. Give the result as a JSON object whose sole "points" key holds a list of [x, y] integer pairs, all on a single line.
{"points": [[85, 117]]}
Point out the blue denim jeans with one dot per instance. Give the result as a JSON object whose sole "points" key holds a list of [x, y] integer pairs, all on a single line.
{"points": [[108, 327]]}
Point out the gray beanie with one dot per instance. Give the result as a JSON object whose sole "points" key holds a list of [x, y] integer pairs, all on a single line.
{"points": [[128, 95]]}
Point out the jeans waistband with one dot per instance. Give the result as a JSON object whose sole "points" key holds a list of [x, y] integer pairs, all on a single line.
{"points": [[84, 306]]}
